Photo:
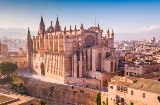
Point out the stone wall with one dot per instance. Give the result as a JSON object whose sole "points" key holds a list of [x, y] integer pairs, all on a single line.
{"points": [[62, 93], [84, 82], [65, 94]]}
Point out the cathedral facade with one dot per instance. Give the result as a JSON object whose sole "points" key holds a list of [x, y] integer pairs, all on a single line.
{"points": [[75, 53]]}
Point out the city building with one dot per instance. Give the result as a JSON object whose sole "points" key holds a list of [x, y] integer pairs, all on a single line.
{"points": [[132, 69], [3, 50], [19, 57], [133, 91]]}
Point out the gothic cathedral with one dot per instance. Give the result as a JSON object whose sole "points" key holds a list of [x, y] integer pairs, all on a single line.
{"points": [[68, 55]]}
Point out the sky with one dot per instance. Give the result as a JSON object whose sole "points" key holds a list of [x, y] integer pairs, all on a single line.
{"points": [[124, 16]]}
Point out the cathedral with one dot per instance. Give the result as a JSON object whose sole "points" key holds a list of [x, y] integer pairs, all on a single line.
{"points": [[75, 55]]}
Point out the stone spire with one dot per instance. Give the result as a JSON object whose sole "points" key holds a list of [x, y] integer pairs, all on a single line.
{"points": [[98, 26], [65, 30], [57, 26], [108, 34], [41, 26], [29, 50], [75, 30], [51, 23], [81, 26], [28, 36], [108, 31], [112, 34], [70, 29], [41, 22], [57, 22]]}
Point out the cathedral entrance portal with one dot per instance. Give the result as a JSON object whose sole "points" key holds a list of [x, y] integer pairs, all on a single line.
{"points": [[42, 69]]}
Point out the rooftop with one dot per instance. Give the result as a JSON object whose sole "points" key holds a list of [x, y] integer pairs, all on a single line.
{"points": [[149, 75], [137, 83]]}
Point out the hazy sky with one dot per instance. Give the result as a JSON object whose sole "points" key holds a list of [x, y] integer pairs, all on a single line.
{"points": [[122, 15]]}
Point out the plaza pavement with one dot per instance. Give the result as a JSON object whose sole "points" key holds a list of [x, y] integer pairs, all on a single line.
{"points": [[34, 75]]}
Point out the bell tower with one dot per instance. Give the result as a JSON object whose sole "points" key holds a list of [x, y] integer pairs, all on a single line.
{"points": [[41, 26]]}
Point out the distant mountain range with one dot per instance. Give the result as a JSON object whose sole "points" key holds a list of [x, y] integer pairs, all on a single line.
{"points": [[21, 33], [137, 36], [17, 33]]}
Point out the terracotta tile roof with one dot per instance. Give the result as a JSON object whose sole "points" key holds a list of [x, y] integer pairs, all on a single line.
{"points": [[147, 85], [149, 75], [138, 83]]}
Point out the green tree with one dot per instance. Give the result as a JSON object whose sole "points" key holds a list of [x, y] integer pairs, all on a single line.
{"points": [[105, 103], [42, 102], [51, 88], [7, 68], [98, 99]]}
